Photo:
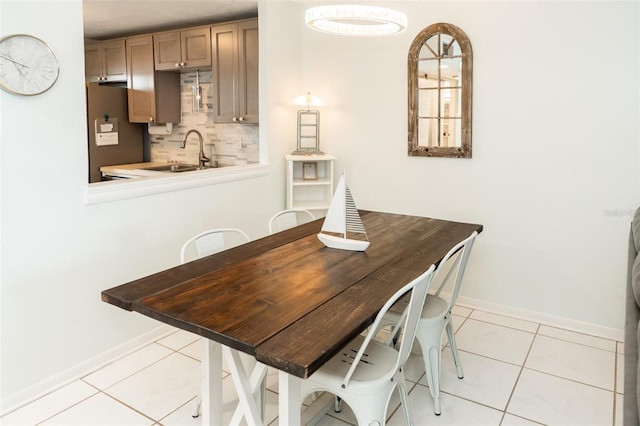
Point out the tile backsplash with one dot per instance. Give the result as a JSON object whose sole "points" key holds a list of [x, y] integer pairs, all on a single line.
{"points": [[228, 144]]}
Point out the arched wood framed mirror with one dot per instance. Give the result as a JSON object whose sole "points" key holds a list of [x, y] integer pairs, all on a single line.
{"points": [[440, 66]]}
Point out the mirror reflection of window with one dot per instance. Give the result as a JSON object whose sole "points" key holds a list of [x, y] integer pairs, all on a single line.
{"points": [[440, 64]]}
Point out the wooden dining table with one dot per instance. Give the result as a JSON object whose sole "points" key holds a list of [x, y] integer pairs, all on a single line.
{"points": [[287, 300]]}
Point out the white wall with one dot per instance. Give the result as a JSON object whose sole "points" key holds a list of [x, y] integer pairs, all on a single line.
{"points": [[554, 173], [57, 253], [555, 149]]}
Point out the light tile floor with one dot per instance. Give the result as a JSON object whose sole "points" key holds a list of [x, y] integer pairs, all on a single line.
{"points": [[516, 373]]}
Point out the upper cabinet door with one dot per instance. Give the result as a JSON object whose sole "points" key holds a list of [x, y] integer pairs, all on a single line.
{"points": [[114, 62], [235, 72], [166, 49], [248, 70], [182, 49], [154, 97], [225, 71], [141, 81], [196, 47], [92, 63], [105, 61]]}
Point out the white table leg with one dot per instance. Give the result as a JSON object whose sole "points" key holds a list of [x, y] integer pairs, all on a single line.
{"points": [[290, 399], [212, 384], [256, 380], [245, 388]]}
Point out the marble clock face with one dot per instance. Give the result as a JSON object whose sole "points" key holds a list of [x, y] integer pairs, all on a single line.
{"points": [[28, 66]]}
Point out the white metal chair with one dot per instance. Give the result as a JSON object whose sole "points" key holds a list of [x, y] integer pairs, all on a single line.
{"points": [[212, 241], [366, 372], [286, 219], [206, 243], [436, 317]]}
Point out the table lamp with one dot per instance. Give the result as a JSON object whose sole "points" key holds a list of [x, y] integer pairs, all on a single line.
{"points": [[308, 125]]}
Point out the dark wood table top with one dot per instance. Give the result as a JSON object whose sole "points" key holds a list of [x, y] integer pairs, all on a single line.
{"points": [[286, 299]]}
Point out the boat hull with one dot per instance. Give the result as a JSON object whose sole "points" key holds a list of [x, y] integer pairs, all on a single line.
{"points": [[342, 243]]}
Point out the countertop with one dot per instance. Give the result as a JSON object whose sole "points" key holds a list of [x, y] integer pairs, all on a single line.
{"points": [[133, 169]]}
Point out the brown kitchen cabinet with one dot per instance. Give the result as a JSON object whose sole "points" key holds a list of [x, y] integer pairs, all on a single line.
{"points": [[105, 61], [190, 48], [154, 97], [235, 71]]}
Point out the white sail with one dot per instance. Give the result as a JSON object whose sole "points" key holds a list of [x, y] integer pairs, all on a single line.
{"points": [[342, 218], [353, 220], [335, 219]]}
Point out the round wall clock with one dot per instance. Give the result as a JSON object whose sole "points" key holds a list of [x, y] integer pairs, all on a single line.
{"points": [[28, 66]]}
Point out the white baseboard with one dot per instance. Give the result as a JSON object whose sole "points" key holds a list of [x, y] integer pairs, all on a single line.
{"points": [[27, 395], [546, 319]]}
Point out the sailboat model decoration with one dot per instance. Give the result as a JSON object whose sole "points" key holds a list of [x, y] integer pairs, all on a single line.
{"points": [[343, 219]]}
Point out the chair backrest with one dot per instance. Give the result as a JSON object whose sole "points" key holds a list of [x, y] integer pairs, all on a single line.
{"points": [[212, 241], [409, 322], [456, 267], [286, 219]]}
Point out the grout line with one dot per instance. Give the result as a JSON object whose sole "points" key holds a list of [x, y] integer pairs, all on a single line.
{"points": [[69, 407], [502, 325], [615, 374], [463, 321], [410, 387], [131, 374], [613, 415], [540, 325], [577, 343], [537, 332], [491, 358], [523, 418], [515, 385], [615, 384], [568, 379], [130, 407], [582, 333], [464, 399], [197, 339], [159, 422]]}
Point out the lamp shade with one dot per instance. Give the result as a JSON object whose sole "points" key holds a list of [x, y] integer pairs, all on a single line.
{"points": [[307, 100]]}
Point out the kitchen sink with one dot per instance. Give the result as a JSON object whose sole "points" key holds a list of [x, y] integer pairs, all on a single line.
{"points": [[174, 168], [178, 167]]}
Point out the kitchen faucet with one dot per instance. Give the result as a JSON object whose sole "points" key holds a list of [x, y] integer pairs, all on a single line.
{"points": [[202, 159]]}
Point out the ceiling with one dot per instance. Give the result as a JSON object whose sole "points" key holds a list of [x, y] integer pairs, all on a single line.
{"points": [[104, 19]]}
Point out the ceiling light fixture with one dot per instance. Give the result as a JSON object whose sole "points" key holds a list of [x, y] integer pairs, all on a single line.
{"points": [[356, 20]]}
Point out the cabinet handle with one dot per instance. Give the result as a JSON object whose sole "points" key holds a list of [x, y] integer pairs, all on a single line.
{"points": [[177, 65], [182, 64], [151, 119], [241, 119], [235, 118]]}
